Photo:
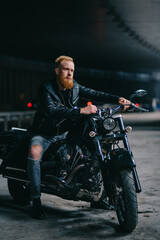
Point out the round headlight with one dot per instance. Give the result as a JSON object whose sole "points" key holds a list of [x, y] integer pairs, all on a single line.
{"points": [[109, 124]]}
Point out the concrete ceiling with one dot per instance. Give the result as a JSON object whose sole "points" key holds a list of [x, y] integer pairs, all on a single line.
{"points": [[122, 35]]}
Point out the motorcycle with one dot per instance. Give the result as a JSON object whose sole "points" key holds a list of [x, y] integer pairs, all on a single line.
{"points": [[94, 167]]}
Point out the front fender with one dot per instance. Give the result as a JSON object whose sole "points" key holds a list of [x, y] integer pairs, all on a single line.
{"points": [[121, 159]]}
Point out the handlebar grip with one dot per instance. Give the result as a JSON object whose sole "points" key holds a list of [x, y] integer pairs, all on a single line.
{"points": [[139, 109]]}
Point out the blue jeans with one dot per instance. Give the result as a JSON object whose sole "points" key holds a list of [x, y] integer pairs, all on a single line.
{"points": [[33, 166]]}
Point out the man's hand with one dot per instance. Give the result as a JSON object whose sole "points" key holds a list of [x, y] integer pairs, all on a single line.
{"points": [[91, 109], [123, 101]]}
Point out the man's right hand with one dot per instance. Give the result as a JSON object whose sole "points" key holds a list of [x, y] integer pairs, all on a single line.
{"points": [[91, 109]]}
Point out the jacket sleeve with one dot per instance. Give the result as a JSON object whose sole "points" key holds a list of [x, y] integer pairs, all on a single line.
{"points": [[53, 108], [97, 95]]}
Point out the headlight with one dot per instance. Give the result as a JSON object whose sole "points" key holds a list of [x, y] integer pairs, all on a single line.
{"points": [[109, 124]]}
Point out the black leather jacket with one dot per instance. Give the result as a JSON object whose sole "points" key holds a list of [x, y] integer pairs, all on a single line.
{"points": [[51, 109]]}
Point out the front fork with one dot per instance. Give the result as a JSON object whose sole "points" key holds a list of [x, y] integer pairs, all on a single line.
{"points": [[103, 165], [126, 145]]}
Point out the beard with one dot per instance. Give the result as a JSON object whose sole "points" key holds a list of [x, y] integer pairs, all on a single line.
{"points": [[65, 83]]}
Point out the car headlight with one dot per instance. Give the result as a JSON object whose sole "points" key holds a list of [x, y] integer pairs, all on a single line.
{"points": [[109, 124]]}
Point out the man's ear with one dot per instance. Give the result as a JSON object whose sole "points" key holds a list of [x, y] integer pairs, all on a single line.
{"points": [[57, 71]]}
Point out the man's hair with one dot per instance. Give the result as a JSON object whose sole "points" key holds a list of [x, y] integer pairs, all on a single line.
{"points": [[61, 58]]}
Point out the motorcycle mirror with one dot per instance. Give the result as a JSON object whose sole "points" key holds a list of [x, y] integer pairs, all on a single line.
{"points": [[138, 93]]}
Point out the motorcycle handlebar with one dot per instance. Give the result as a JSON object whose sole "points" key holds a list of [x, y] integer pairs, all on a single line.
{"points": [[112, 111], [139, 109]]}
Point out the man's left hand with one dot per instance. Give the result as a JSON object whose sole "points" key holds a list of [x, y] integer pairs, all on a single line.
{"points": [[125, 102]]}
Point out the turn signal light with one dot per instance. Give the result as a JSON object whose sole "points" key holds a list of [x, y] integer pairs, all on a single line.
{"points": [[128, 129], [89, 103]]}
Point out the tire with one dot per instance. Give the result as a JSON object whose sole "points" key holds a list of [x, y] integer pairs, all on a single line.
{"points": [[19, 191], [127, 207]]}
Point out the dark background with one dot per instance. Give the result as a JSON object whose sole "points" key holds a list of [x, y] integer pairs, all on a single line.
{"points": [[115, 45]]}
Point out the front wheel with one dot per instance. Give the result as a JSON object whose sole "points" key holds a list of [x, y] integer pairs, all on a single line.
{"points": [[127, 207], [19, 191]]}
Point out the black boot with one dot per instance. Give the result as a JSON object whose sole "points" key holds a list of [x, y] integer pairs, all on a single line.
{"points": [[37, 211]]}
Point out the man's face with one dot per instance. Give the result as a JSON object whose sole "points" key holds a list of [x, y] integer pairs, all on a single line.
{"points": [[65, 73]]}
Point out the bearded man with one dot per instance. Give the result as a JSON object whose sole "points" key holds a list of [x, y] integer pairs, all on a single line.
{"points": [[58, 102]]}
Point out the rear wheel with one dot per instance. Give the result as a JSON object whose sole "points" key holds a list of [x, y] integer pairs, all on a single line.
{"points": [[127, 207], [19, 191]]}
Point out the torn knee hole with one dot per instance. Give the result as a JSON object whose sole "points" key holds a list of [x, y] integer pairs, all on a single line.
{"points": [[35, 152]]}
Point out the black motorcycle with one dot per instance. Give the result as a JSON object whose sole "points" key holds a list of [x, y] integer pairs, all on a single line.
{"points": [[95, 166]]}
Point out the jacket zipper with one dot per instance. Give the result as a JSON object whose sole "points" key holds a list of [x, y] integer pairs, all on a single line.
{"points": [[75, 100], [69, 99], [62, 98], [58, 126]]}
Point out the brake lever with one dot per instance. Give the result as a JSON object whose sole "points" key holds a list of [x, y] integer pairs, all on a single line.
{"points": [[139, 109]]}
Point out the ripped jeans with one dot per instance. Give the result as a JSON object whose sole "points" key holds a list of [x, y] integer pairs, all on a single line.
{"points": [[33, 166]]}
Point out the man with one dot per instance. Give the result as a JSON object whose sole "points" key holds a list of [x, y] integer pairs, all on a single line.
{"points": [[58, 100]]}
